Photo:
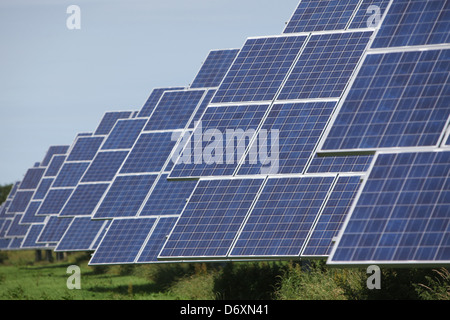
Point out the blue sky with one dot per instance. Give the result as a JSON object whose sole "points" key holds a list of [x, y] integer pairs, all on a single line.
{"points": [[56, 82]]}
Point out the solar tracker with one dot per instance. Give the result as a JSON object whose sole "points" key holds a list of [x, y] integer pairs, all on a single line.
{"points": [[299, 127], [70, 174], [214, 68], [124, 134], [201, 109], [150, 153], [225, 133], [402, 215], [32, 179], [54, 166], [20, 202], [54, 201], [52, 151], [43, 188], [156, 240], [125, 196], [30, 240], [211, 219], [168, 197], [105, 166], [348, 163], [123, 241], [332, 216], [30, 217], [398, 99], [109, 120], [153, 100], [54, 229], [364, 15], [318, 15], [174, 110], [282, 217], [325, 66], [84, 200], [85, 148], [80, 235], [259, 69], [16, 229], [412, 23]]}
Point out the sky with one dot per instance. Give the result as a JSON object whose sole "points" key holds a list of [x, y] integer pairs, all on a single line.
{"points": [[56, 82]]}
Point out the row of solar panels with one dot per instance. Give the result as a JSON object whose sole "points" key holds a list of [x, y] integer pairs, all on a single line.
{"points": [[361, 114]]}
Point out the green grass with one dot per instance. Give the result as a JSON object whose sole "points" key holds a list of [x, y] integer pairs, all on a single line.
{"points": [[23, 279]]}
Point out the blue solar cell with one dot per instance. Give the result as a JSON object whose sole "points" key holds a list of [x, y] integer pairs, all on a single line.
{"points": [[214, 68], [156, 240], [397, 100], [332, 217], [4, 209], [70, 174], [212, 218], [54, 166], [80, 235], [85, 148], [174, 110], [364, 17], [84, 200], [13, 191], [43, 188], [15, 244], [102, 233], [32, 179], [219, 142], [153, 100], [409, 23], [150, 153], [124, 134], [325, 66], [282, 217], [4, 243], [20, 202], [123, 241], [54, 201], [105, 166], [30, 214], [54, 229], [30, 239], [356, 163], [199, 113], [125, 197], [259, 69], [318, 15], [402, 214], [168, 197], [290, 134], [52, 151], [109, 120], [16, 229]]}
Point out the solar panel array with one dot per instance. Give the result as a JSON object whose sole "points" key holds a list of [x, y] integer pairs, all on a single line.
{"points": [[330, 140]]}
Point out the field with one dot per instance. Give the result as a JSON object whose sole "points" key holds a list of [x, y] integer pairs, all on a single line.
{"points": [[23, 279]]}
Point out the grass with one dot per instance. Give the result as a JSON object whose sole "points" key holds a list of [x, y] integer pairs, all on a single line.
{"points": [[23, 279]]}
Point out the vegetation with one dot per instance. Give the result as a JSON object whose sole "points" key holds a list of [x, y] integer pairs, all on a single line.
{"points": [[21, 278], [4, 192]]}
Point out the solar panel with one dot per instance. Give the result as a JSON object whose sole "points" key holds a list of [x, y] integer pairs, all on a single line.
{"points": [[30, 240], [20, 202], [13, 191], [282, 217], [105, 166], [351, 163], [168, 197], [15, 243], [150, 153], [4, 243], [54, 229], [332, 217], [16, 229], [325, 66], [123, 241], [259, 69], [211, 219], [101, 234], [80, 235], [52, 151], [156, 240], [43, 188], [174, 110], [124, 134], [54, 201], [201, 109], [411, 23], [214, 68], [70, 174], [109, 120], [398, 99], [84, 200], [5, 228], [30, 217], [225, 133], [153, 100], [4, 209], [85, 148], [125, 196], [299, 127], [318, 15], [54, 166], [364, 15], [32, 179], [402, 215]]}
